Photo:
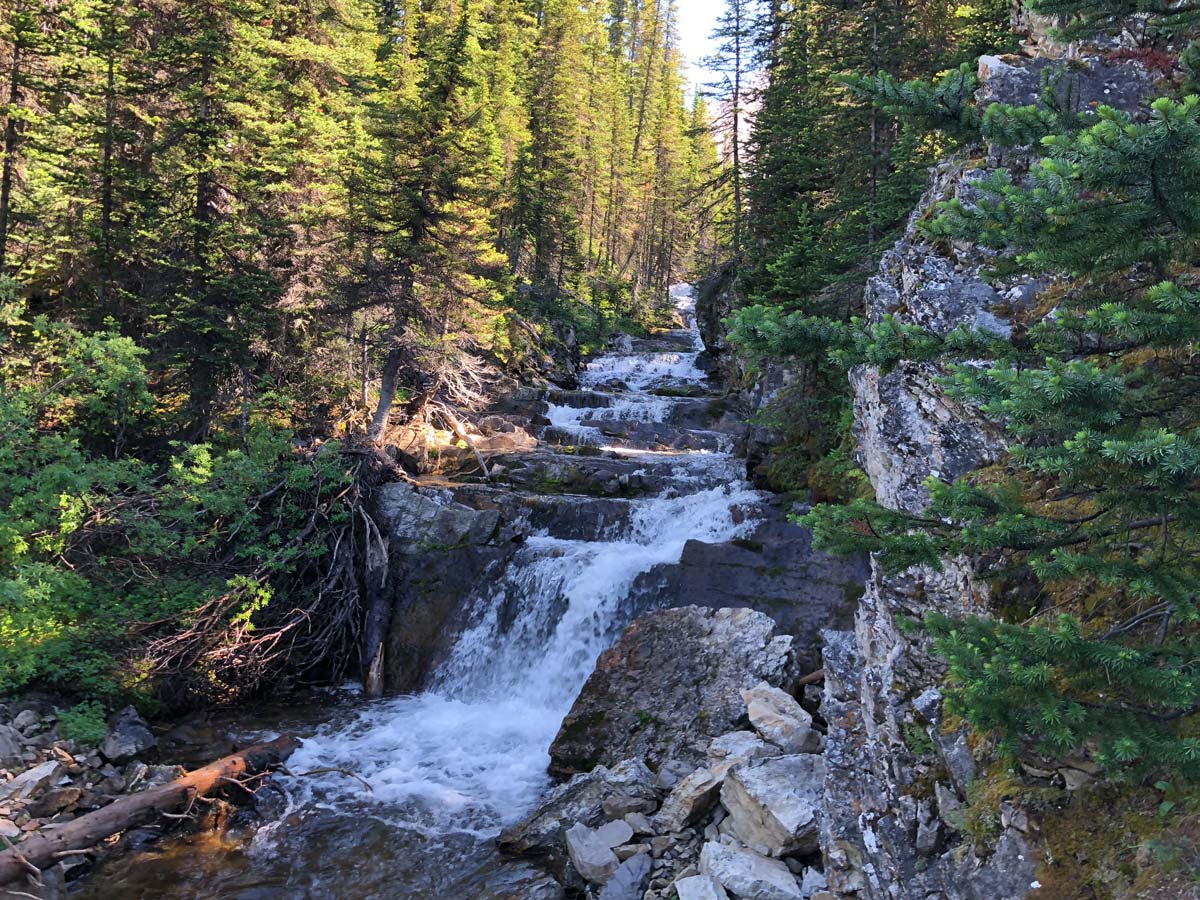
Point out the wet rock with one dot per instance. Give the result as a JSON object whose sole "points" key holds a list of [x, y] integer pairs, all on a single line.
{"points": [[700, 887], [592, 856], [630, 879], [777, 716], [515, 881], [580, 800], [439, 551], [775, 804], [749, 875], [670, 684], [128, 736]]}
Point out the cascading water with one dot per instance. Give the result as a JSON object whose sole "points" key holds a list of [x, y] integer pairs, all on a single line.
{"points": [[448, 768]]}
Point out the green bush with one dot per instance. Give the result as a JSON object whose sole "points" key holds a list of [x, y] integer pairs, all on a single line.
{"points": [[85, 723]]}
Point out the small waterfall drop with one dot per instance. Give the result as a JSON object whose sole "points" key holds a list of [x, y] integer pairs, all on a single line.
{"points": [[470, 755]]}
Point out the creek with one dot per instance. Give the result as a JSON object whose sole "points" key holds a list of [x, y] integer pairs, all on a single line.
{"points": [[449, 767]]}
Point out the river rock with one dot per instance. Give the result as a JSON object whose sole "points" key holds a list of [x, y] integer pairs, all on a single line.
{"points": [[780, 719], [670, 684], [55, 801], [775, 804], [582, 800], [700, 887], [590, 854], [629, 881], [32, 781], [11, 744], [749, 875], [128, 736]]}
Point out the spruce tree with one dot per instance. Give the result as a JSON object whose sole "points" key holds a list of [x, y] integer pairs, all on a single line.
{"points": [[1100, 496]]}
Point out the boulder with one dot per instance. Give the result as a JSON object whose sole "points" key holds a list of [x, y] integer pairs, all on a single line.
{"points": [[614, 834], [700, 887], [590, 854], [32, 781], [780, 719], [749, 875], [629, 881], [739, 746], [669, 685], [27, 721], [689, 800], [11, 745], [128, 736], [581, 800], [775, 804]]}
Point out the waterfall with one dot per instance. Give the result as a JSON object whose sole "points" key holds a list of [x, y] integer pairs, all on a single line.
{"points": [[470, 755]]}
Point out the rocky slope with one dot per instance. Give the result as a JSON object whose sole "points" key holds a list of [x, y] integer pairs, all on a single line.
{"points": [[902, 781]]}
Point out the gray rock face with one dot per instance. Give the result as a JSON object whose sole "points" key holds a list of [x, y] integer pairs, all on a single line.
{"points": [[777, 716], [630, 879], [775, 804], [774, 571], [581, 800], [438, 551], [11, 744], [590, 854], [748, 875], [700, 887], [32, 781], [128, 736], [670, 684], [881, 837]]}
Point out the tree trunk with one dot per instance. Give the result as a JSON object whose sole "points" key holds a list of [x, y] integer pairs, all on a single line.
{"points": [[10, 145], [379, 608], [47, 847]]}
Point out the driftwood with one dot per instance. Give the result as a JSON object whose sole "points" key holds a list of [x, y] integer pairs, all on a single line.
{"points": [[812, 678], [45, 848]]}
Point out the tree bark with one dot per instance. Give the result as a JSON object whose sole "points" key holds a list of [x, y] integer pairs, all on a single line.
{"points": [[44, 849], [10, 144]]}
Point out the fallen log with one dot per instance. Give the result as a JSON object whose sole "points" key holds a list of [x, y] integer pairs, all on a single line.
{"points": [[812, 678], [51, 844]]}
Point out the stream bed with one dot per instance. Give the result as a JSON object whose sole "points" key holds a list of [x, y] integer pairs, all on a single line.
{"points": [[450, 767]]}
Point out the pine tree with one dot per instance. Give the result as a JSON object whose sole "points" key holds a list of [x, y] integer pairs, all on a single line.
{"points": [[1100, 498]]}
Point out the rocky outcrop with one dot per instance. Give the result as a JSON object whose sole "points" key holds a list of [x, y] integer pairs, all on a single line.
{"points": [[774, 570], [897, 778], [672, 683], [743, 823], [438, 551]]}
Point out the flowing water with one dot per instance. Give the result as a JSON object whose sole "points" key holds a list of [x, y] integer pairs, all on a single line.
{"points": [[447, 769]]}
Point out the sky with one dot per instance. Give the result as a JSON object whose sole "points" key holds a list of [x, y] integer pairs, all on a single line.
{"points": [[697, 18]]}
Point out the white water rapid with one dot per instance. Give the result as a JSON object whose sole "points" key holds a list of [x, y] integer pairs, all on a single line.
{"points": [[470, 755], [449, 768]]}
